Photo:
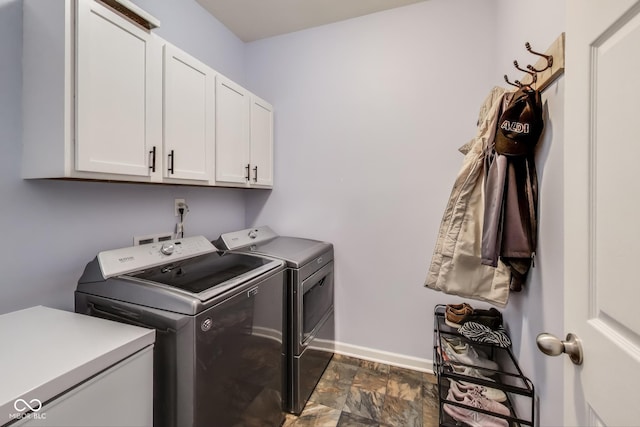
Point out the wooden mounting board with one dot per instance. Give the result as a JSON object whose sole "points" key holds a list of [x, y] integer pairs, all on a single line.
{"points": [[548, 76]]}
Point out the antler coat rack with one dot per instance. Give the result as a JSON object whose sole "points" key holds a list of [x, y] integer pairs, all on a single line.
{"points": [[546, 70]]}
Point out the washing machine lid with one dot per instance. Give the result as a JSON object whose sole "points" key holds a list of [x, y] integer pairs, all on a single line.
{"points": [[204, 272], [295, 251], [192, 277]]}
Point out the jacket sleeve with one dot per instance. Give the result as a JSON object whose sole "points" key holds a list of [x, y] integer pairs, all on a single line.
{"points": [[494, 186]]}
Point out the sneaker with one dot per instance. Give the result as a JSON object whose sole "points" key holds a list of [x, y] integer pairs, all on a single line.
{"points": [[494, 394], [471, 372], [483, 334], [469, 416], [460, 344], [455, 314], [464, 353]]}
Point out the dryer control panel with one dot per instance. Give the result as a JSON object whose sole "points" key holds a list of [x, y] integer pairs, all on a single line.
{"points": [[243, 238], [125, 260]]}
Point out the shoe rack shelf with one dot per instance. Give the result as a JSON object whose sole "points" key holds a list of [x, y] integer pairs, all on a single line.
{"points": [[509, 378]]}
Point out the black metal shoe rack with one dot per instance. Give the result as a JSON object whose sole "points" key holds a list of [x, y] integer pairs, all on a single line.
{"points": [[509, 378]]}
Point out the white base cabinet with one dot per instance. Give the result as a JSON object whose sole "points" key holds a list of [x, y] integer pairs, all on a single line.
{"points": [[74, 370], [122, 396], [106, 99]]}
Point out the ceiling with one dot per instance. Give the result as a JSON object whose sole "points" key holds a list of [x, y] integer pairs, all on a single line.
{"points": [[257, 19]]}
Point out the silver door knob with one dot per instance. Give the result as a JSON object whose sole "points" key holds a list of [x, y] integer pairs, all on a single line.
{"points": [[552, 346]]}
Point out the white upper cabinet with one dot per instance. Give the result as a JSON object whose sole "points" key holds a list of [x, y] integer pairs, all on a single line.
{"points": [[261, 152], [117, 84], [92, 93], [189, 137], [244, 137], [233, 104], [106, 99]]}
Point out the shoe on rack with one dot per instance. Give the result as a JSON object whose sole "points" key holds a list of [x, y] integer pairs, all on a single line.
{"points": [[483, 334], [455, 314], [460, 343], [491, 318], [471, 372], [464, 353], [494, 394], [469, 416]]}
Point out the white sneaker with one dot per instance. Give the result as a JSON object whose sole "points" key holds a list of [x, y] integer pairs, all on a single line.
{"points": [[459, 344], [471, 372], [469, 416], [467, 387], [466, 354]]}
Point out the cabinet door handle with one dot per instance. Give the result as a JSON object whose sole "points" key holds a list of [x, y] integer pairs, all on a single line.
{"points": [[255, 175], [171, 159], [153, 159], [248, 167]]}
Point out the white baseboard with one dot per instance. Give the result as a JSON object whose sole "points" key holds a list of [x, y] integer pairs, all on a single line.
{"points": [[379, 356], [399, 360]]}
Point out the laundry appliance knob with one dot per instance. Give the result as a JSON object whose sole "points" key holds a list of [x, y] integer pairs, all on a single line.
{"points": [[167, 248]]}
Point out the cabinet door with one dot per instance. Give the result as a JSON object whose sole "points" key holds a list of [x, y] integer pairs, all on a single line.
{"points": [[116, 75], [261, 142], [121, 396], [188, 116], [232, 132]]}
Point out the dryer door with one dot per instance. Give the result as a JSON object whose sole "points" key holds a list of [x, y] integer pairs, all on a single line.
{"points": [[314, 302]]}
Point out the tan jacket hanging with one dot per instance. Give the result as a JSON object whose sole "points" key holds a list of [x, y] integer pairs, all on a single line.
{"points": [[455, 266]]}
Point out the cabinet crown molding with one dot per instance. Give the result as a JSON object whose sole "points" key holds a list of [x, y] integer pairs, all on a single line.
{"points": [[133, 13]]}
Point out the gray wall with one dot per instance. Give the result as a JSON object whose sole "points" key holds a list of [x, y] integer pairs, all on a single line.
{"points": [[369, 115], [189, 26], [51, 229], [539, 308]]}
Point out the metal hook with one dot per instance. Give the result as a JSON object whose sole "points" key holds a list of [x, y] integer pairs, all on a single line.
{"points": [[549, 58], [516, 84], [515, 64], [534, 76]]}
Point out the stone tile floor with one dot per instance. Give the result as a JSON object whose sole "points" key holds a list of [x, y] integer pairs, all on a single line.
{"points": [[354, 392]]}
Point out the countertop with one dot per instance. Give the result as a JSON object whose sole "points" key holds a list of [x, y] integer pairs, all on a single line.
{"points": [[45, 351]]}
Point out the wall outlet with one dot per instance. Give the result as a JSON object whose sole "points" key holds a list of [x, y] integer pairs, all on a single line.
{"points": [[180, 203], [152, 238]]}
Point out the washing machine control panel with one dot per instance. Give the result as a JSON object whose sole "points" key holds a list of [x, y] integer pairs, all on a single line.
{"points": [[125, 260], [244, 238]]}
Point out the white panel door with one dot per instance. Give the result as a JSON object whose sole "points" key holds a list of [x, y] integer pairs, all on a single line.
{"points": [[232, 132], [116, 62], [602, 231], [261, 147], [188, 116]]}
